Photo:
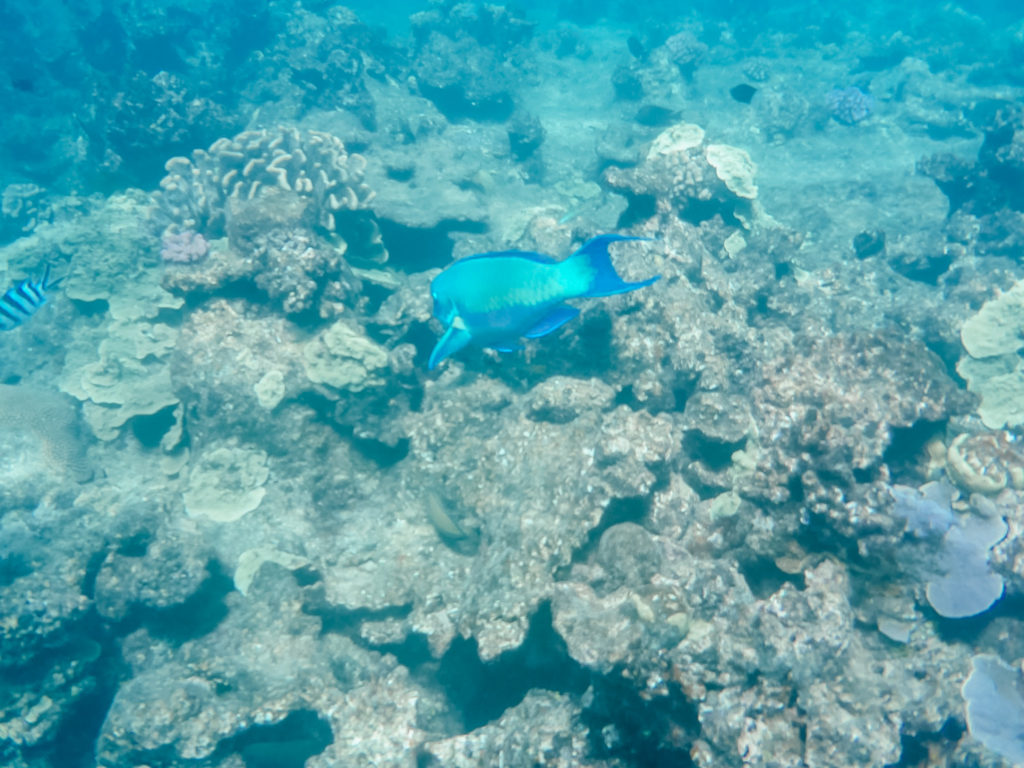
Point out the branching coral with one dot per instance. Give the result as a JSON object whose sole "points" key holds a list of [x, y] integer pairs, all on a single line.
{"points": [[311, 164]]}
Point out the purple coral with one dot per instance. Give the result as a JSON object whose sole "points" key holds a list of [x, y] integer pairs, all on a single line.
{"points": [[849, 105], [184, 247]]}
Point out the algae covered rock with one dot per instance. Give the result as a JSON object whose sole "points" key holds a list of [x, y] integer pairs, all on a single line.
{"points": [[226, 482], [237, 684], [235, 369], [344, 358], [170, 570]]}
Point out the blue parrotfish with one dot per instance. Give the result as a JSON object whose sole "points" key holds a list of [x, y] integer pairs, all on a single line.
{"points": [[495, 299], [19, 303]]}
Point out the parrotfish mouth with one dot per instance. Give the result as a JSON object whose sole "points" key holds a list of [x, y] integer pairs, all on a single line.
{"points": [[455, 337]]}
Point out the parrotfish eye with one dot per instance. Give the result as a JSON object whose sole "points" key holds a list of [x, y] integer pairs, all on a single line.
{"points": [[444, 310]]}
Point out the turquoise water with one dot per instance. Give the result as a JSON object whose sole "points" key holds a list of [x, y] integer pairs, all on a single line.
{"points": [[742, 485]]}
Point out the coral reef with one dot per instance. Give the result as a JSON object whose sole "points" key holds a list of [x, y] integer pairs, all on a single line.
{"points": [[173, 115], [750, 516]]}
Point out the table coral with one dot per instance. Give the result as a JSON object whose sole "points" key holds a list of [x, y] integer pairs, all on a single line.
{"points": [[959, 579]]}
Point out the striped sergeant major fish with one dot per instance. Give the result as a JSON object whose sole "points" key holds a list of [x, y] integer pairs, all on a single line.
{"points": [[19, 303]]}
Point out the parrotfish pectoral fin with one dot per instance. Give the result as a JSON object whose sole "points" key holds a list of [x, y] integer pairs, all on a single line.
{"points": [[453, 340], [605, 281], [554, 320], [507, 347]]}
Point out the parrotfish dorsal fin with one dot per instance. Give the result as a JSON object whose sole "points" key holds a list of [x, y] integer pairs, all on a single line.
{"points": [[540, 258]]}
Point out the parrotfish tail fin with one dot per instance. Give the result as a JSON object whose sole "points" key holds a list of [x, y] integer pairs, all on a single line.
{"points": [[602, 280], [453, 340]]}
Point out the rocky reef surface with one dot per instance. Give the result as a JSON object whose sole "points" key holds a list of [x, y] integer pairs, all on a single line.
{"points": [[767, 512]]}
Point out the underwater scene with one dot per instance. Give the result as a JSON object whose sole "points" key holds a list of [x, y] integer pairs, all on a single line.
{"points": [[442, 384]]}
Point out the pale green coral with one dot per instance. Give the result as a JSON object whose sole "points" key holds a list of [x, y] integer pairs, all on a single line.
{"points": [[998, 328], [992, 367], [678, 138], [226, 483], [344, 358], [250, 562], [735, 168], [270, 389], [126, 376], [116, 366]]}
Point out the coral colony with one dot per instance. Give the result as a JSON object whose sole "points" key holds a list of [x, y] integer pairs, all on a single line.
{"points": [[849, 105], [480, 386]]}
